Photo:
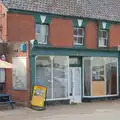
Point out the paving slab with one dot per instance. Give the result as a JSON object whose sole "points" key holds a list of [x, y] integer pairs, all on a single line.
{"points": [[108, 110]]}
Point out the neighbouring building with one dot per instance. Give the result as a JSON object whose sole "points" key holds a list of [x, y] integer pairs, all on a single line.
{"points": [[69, 46]]}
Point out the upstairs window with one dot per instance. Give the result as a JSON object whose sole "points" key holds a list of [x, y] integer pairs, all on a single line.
{"points": [[79, 36], [42, 33], [103, 38]]}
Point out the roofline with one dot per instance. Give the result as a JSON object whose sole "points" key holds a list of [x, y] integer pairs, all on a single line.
{"points": [[11, 10]]}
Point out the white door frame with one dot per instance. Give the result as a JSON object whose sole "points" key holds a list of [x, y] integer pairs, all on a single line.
{"points": [[73, 98]]}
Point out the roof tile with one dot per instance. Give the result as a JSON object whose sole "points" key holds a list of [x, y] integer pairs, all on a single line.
{"points": [[95, 9]]}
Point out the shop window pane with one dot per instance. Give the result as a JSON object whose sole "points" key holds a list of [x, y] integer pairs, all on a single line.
{"points": [[74, 61], [60, 77], [104, 76], [87, 77], [43, 74], [111, 75], [98, 76]]}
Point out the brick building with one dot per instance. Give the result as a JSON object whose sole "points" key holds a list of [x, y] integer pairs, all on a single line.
{"points": [[69, 46]]}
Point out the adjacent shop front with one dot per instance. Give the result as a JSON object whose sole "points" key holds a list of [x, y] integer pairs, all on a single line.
{"points": [[75, 74], [100, 76]]}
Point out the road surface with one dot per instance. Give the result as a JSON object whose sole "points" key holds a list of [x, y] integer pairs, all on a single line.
{"points": [[109, 110]]}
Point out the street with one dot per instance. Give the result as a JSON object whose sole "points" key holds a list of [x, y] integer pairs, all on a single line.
{"points": [[108, 110]]}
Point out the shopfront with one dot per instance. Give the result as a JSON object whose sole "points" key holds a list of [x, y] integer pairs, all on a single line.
{"points": [[76, 75]]}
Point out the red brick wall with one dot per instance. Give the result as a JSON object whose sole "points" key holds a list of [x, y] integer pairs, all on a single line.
{"points": [[3, 22], [20, 27], [18, 95], [61, 33], [114, 35], [91, 35]]}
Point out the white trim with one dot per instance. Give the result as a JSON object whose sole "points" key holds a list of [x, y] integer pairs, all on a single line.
{"points": [[115, 95], [68, 76], [105, 78], [52, 57], [57, 99], [91, 75], [43, 18], [102, 38], [117, 77], [83, 75], [104, 25], [79, 36], [80, 22], [78, 44], [76, 98]]}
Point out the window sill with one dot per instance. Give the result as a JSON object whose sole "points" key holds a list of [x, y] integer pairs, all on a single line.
{"points": [[79, 46], [102, 47]]}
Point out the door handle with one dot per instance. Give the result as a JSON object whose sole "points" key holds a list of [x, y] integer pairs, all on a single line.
{"points": [[49, 81]]}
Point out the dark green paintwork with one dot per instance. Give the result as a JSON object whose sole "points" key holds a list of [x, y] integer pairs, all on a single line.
{"points": [[107, 26], [74, 52], [68, 52], [32, 74], [119, 73], [38, 19], [75, 23]]}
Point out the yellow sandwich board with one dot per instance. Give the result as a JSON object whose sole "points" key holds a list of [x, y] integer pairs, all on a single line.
{"points": [[38, 97]]}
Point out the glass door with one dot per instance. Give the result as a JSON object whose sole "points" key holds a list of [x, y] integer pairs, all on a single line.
{"points": [[75, 85]]}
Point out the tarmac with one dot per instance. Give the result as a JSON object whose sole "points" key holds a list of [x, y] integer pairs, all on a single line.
{"points": [[108, 110]]}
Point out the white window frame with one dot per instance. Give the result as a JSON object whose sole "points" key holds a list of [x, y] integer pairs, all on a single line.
{"points": [[102, 38], [46, 34], [79, 36]]}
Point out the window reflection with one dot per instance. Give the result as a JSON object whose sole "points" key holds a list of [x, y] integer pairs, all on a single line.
{"points": [[52, 72], [100, 75], [60, 77], [43, 74], [87, 77]]}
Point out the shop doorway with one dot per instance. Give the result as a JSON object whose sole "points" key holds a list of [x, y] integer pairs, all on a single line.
{"points": [[75, 84]]}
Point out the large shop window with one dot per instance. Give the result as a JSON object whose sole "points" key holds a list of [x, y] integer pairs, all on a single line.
{"points": [[52, 72], [43, 74], [100, 76]]}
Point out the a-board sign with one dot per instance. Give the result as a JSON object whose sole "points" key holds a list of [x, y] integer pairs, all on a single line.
{"points": [[39, 96]]}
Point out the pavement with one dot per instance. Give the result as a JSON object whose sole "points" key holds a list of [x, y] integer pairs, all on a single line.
{"points": [[108, 110]]}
